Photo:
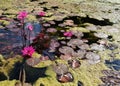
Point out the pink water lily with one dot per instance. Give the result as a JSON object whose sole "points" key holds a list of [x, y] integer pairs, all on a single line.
{"points": [[22, 15], [28, 51], [68, 33], [30, 27], [42, 13]]}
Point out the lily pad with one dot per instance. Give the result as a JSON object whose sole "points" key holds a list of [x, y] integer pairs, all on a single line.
{"points": [[60, 68]]}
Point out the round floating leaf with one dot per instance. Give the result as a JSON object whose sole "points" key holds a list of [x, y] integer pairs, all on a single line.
{"points": [[33, 61], [60, 68]]}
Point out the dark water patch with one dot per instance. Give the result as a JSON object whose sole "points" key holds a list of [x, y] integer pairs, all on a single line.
{"points": [[90, 37], [41, 84], [51, 55], [11, 39], [2, 76], [43, 2], [31, 73], [81, 20], [76, 19], [80, 83], [115, 64], [95, 21], [33, 0]]}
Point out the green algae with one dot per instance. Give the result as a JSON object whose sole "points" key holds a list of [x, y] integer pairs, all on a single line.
{"points": [[4, 22], [5, 4], [81, 29], [8, 64], [31, 18], [88, 74], [7, 82], [10, 12], [1, 12]]}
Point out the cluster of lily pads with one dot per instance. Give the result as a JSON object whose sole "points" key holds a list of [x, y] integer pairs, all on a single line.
{"points": [[59, 39], [56, 41]]}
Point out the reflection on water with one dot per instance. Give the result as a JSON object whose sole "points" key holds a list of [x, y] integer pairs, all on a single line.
{"points": [[11, 41]]}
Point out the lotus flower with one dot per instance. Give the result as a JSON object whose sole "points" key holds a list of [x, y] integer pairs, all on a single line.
{"points": [[68, 34], [28, 51], [42, 13], [22, 15], [30, 27]]}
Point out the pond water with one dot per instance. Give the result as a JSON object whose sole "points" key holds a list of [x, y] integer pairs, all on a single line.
{"points": [[11, 40]]}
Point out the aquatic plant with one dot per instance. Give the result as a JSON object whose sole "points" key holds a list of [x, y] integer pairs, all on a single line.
{"points": [[74, 63], [54, 44], [41, 13], [28, 51], [30, 27], [60, 68], [41, 42], [68, 46], [22, 15], [68, 34]]}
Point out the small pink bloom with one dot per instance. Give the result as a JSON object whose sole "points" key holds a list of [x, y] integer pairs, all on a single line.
{"points": [[30, 27], [28, 51], [42, 13], [68, 34], [22, 15]]}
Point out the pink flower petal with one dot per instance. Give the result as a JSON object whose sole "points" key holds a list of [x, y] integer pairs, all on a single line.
{"points": [[68, 34], [42, 13], [22, 15], [28, 51], [30, 27]]}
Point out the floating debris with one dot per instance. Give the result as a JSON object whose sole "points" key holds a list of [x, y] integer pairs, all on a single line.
{"points": [[67, 77], [74, 63]]}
